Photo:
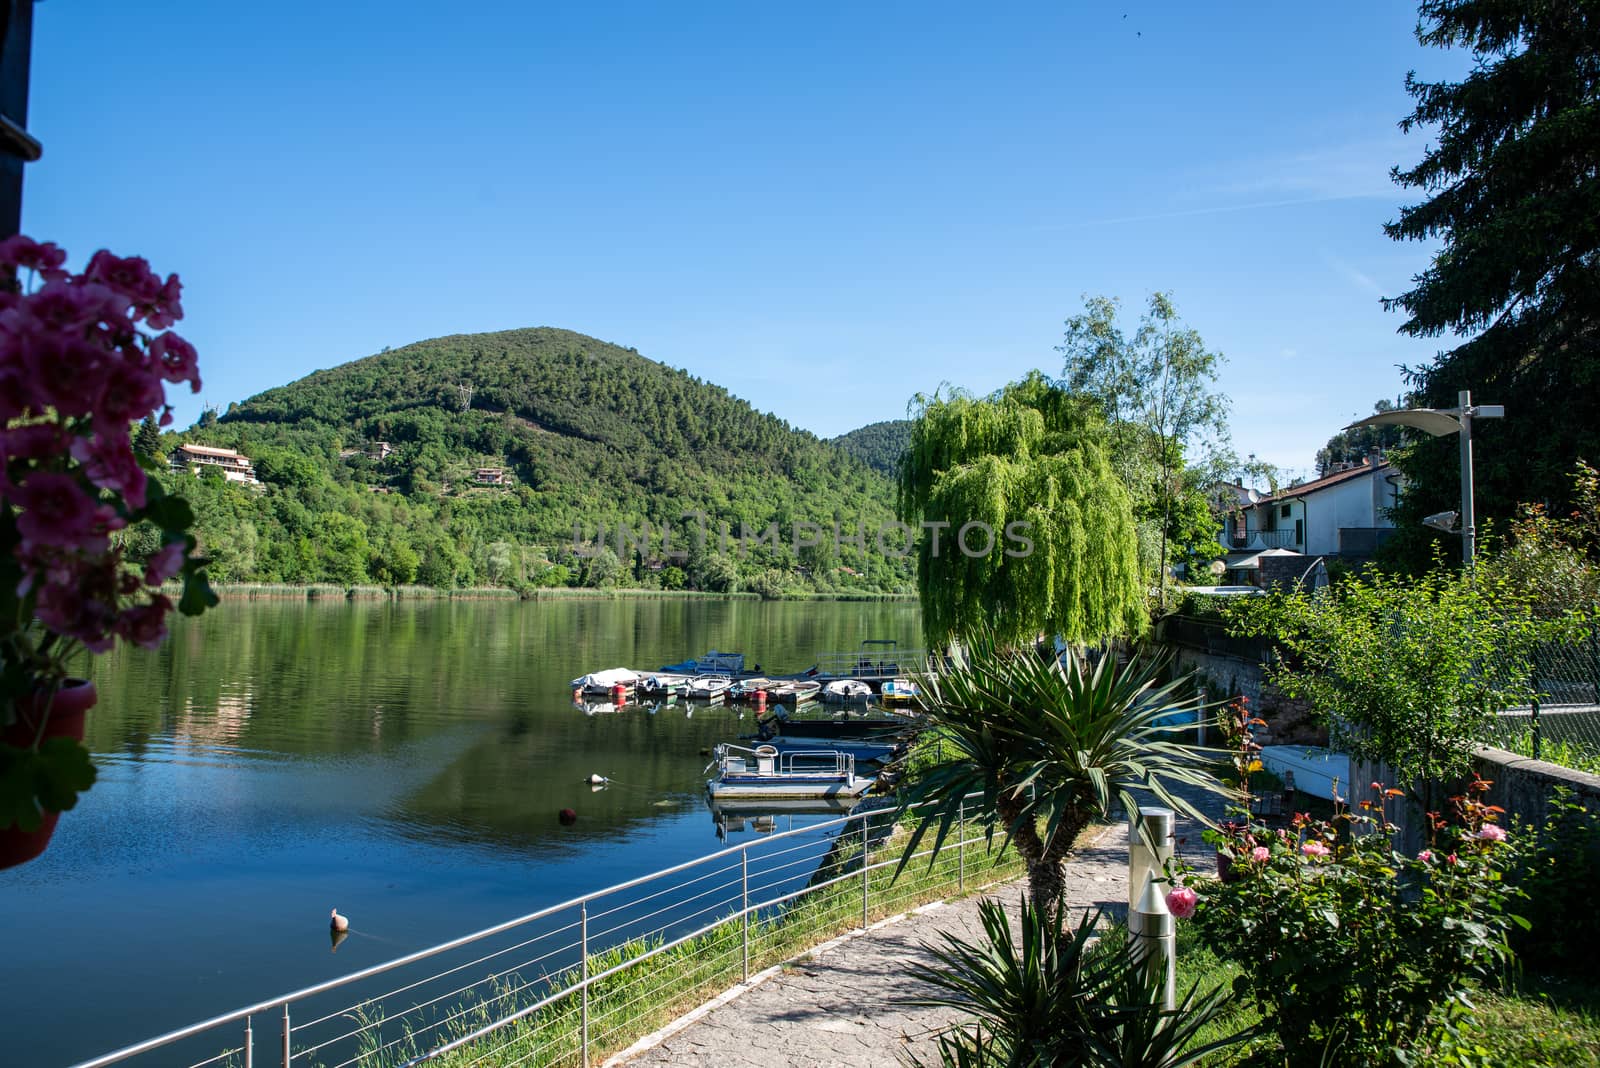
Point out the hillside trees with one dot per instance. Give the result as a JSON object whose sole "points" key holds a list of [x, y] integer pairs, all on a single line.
{"points": [[1513, 198]]}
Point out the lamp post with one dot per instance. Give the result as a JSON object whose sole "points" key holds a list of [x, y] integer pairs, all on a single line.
{"points": [[1438, 422]]}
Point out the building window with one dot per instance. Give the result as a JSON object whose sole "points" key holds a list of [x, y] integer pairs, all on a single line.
{"points": [[1299, 531], [1284, 511]]}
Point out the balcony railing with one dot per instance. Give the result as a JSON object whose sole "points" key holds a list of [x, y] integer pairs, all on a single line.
{"points": [[1269, 539]]}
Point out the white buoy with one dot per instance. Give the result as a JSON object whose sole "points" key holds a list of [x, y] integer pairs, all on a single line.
{"points": [[598, 780], [338, 922]]}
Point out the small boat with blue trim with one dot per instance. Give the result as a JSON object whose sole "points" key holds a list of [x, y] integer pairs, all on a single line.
{"points": [[899, 692]]}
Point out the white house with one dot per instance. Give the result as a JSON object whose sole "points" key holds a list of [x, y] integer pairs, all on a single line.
{"points": [[1341, 514], [235, 466]]}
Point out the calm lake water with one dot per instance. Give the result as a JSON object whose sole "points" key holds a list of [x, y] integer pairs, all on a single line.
{"points": [[404, 762]]}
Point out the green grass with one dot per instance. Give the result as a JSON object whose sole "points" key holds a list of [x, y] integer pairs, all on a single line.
{"points": [[1568, 754]]}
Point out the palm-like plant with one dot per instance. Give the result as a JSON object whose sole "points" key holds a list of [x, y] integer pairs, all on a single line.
{"points": [[1046, 746], [1059, 996]]}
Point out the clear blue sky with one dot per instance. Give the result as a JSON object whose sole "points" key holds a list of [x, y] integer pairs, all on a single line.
{"points": [[824, 207]]}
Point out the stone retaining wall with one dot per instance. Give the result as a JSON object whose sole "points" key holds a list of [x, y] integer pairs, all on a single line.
{"points": [[1523, 786]]}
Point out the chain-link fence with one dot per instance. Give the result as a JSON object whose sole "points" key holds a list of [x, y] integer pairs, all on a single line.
{"points": [[1562, 724]]}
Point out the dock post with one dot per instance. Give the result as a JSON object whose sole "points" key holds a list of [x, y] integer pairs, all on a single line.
{"points": [[249, 1044], [864, 871], [961, 846], [286, 1054], [583, 948], [744, 893]]}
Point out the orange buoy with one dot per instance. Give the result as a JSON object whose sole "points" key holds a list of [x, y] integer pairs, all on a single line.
{"points": [[619, 694], [761, 699]]}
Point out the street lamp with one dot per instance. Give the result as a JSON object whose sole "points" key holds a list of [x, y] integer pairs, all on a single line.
{"points": [[1438, 422]]}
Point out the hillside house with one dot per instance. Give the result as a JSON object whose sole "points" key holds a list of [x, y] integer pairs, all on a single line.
{"points": [[491, 476], [1342, 514], [235, 466]]}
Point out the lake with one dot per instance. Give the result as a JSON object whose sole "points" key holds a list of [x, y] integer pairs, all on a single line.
{"points": [[403, 762]]}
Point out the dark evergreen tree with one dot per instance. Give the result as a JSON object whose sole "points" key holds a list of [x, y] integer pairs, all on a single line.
{"points": [[1514, 197], [147, 439]]}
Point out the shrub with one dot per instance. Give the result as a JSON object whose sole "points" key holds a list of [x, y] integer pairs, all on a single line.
{"points": [[1358, 954], [1557, 868]]}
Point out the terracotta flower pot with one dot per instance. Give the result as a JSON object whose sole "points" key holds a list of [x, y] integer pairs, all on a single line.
{"points": [[74, 699]]}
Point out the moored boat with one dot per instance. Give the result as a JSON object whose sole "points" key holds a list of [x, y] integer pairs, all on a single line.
{"points": [[795, 691], [843, 691], [708, 687], [899, 691], [664, 684], [840, 723], [604, 682], [764, 772], [711, 663], [746, 689]]}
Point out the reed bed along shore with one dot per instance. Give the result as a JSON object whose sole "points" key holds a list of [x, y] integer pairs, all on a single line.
{"points": [[321, 591]]}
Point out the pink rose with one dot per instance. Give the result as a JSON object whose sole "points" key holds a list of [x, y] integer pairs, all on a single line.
{"points": [[1425, 856], [1260, 854], [1181, 902], [1492, 832], [1314, 848], [165, 563]]}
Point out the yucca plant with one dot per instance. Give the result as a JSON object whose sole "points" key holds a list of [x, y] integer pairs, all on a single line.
{"points": [[1047, 745], [1062, 996]]}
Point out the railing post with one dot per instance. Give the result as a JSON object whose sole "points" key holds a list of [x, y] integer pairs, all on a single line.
{"points": [[744, 895], [249, 1044], [863, 871], [961, 846], [1533, 704], [583, 947], [286, 1053]]}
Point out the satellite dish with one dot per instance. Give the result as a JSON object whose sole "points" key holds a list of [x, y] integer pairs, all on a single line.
{"points": [[1445, 521]]}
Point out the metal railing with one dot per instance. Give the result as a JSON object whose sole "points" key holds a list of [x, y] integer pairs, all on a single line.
{"points": [[591, 975], [1562, 723], [873, 663]]}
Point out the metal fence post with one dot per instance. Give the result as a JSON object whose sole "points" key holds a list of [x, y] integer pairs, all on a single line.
{"points": [[1533, 704], [961, 846], [249, 1044], [863, 871], [744, 894], [1594, 656], [583, 947], [286, 1054]]}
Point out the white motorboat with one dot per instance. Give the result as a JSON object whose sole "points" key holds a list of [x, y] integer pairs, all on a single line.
{"points": [[843, 691], [664, 684]]}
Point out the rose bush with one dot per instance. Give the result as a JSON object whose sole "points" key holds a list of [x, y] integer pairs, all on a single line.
{"points": [[83, 357], [1358, 954]]}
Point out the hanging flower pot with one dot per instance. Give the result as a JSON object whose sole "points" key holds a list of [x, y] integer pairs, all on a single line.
{"points": [[62, 718], [83, 357]]}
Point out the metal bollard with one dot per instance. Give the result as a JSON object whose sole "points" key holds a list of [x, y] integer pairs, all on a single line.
{"points": [[1153, 939], [1150, 839]]}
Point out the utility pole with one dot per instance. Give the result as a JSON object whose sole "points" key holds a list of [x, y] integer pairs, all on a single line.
{"points": [[17, 146]]}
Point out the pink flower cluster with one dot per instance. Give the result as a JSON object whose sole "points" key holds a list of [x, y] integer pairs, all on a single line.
{"points": [[1314, 848], [83, 356]]}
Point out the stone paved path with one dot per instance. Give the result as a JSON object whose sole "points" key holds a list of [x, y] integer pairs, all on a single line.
{"points": [[839, 1006]]}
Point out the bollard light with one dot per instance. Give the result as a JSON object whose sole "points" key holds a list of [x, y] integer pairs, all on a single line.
{"points": [[1150, 838], [1153, 939]]}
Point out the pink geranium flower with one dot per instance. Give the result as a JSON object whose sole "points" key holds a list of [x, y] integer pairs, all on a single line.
{"points": [[167, 562], [1260, 854], [1425, 856], [1492, 832], [1314, 848], [1181, 902]]}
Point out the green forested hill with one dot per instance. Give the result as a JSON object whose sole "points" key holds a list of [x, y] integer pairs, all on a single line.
{"points": [[878, 445], [588, 435]]}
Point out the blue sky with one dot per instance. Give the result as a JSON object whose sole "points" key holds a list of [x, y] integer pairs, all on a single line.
{"points": [[823, 207]]}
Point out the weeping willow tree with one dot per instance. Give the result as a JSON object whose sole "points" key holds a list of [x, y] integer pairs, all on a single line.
{"points": [[1028, 464]]}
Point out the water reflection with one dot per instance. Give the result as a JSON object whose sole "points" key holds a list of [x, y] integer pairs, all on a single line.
{"points": [[411, 761]]}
